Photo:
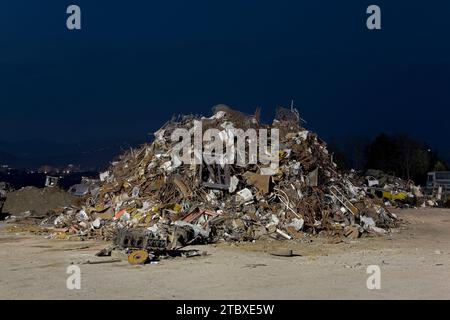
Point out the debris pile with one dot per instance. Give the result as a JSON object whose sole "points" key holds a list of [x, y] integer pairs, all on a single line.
{"points": [[86, 187], [31, 201], [394, 191], [175, 204]]}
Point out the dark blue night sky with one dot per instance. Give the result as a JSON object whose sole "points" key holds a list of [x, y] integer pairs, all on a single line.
{"points": [[134, 64]]}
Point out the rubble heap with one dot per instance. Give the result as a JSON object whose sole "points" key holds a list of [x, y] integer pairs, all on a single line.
{"points": [[182, 203], [395, 191], [32, 201]]}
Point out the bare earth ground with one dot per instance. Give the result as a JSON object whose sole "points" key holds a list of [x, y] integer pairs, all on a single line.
{"points": [[414, 262]]}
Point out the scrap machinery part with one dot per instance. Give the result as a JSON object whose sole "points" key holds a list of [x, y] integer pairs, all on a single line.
{"points": [[139, 239]]}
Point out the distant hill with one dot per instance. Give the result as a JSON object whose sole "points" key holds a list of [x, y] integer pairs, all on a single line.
{"points": [[7, 158], [32, 154]]}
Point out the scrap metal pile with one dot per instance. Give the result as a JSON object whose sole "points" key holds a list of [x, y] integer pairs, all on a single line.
{"points": [[395, 191], [175, 204]]}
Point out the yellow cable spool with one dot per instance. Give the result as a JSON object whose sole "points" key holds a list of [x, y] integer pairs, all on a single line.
{"points": [[138, 257]]}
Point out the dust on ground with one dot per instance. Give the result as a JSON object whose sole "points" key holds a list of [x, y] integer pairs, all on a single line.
{"points": [[414, 263]]}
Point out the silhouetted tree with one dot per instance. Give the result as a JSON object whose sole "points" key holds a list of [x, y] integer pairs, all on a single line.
{"points": [[383, 154], [439, 166], [338, 156], [356, 147], [403, 156], [414, 158]]}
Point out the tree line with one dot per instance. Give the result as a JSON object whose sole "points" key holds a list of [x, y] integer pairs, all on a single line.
{"points": [[398, 154]]}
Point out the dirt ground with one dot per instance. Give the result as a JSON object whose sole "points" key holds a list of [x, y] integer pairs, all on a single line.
{"points": [[414, 263]]}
